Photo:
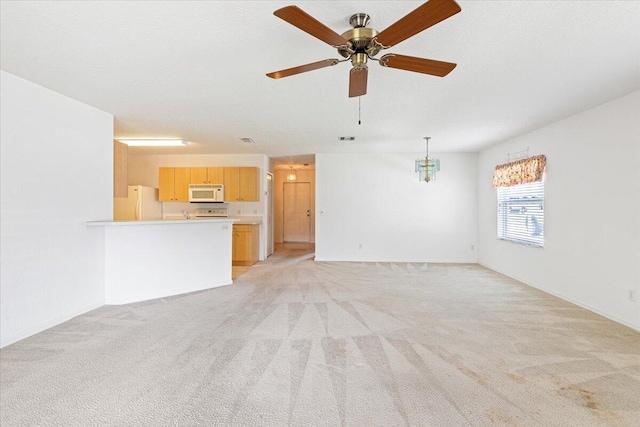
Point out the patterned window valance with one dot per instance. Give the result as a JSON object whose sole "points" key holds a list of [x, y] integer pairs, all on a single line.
{"points": [[520, 172]]}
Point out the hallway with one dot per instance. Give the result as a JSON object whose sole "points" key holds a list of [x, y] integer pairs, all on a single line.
{"points": [[283, 252]]}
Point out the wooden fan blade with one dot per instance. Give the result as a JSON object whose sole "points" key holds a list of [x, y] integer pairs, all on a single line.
{"points": [[302, 68], [307, 23], [358, 82], [419, 65], [420, 19]]}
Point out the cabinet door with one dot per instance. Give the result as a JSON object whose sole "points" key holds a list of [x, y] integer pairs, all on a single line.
{"points": [[241, 249], [215, 175], [231, 184], [198, 176], [255, 243], [167, 184], [248, 184], [246, 244], [120, 156], [181, 184]]}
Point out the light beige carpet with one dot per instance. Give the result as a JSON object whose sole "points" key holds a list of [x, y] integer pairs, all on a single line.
{"points": [[300, 343]]}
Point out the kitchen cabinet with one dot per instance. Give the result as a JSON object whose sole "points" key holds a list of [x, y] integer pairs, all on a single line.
{"points": [[241, 184], [207, 175], [245, 244], [174, 184], [120, 158]]}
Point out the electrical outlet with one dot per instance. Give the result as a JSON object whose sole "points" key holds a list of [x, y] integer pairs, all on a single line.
{"points": [[360, 246], [473, 247], [632, 295], [255, 211]]}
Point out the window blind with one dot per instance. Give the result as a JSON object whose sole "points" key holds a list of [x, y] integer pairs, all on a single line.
{"points": [[521, 213]]}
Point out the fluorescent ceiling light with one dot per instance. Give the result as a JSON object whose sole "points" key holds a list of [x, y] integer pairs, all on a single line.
{"points": [[153, 142]]}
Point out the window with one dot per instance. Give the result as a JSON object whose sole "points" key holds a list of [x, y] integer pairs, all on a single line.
{"points": [[521, 213]]}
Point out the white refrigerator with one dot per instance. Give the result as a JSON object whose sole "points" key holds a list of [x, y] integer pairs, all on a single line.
{"points": [[141, 205]]}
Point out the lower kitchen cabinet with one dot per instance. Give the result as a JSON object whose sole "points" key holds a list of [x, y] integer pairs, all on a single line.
{"points": [[246, 244]]}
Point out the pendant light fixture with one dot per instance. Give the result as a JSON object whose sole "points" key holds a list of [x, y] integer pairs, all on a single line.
{"points": [[291, 176], [427, 167]]}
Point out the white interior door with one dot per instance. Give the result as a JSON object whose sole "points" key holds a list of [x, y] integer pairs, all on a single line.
{"points": [[297, 202]]}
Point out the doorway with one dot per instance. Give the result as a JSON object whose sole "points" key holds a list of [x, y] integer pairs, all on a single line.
{"points": [[297, 213], [270, 212]]}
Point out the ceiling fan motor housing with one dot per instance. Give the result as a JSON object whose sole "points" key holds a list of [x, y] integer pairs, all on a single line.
{"points": [[360, 36]]}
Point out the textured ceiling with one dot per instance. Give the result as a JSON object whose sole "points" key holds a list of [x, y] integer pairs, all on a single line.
{"points": [[196, 70]]}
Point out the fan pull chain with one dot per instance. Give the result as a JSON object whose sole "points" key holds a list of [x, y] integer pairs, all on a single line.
{"points": [[359, 110]]}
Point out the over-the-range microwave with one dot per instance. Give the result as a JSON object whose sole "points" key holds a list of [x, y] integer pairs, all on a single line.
{"points": [[206, 193]]}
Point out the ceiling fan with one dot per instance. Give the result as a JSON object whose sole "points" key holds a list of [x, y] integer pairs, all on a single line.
{"points": [[362, 43]]}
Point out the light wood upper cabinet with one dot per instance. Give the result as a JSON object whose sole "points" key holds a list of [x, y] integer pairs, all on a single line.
{"points": [[207, 175], [198, 176], [120, 158], [215, 175], [249, 184], [231, 184], [182, 180], [174, 184], [167, 184], [241, 184]]}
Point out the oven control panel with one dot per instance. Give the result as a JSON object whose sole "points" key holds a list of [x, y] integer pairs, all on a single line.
{"points": [[211, 212]]}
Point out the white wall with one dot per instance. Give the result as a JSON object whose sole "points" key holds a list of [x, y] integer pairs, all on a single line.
{"points": [[144, 170], [376, 200], [57, 174], [592, 210]]}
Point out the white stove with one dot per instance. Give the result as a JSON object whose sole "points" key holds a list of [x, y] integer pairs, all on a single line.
{"points": [[211, 213]]}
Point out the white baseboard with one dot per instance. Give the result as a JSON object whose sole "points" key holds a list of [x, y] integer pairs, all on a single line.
{"points": [[131, 299], [565, 298], [46, 325]]}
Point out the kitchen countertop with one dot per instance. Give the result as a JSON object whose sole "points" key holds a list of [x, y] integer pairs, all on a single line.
{"points": [[247, 220], [161, 222], [179, 219]]}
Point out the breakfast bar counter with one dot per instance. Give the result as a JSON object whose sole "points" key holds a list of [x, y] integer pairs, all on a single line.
{"points": [[153, 259]]}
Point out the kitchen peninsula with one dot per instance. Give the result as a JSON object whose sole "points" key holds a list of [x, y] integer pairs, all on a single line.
{"points": [[153, 259]]}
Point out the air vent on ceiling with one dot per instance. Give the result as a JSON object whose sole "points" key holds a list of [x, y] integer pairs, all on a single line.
{"points": [[347, 138], [248, 140]]}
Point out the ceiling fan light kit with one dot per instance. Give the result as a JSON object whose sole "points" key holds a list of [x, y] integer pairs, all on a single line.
{"points": [[361, 43]]}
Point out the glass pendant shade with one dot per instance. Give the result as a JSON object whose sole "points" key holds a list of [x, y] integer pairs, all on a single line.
{"points": [[427, 167]]}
